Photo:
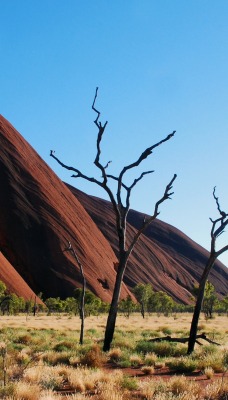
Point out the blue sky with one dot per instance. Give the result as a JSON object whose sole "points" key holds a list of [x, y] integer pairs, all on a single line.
{"points": [[160, 66]]}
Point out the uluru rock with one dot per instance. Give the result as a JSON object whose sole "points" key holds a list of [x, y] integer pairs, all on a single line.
{"points": [[39, 215], [164, 256], [14, 282]]}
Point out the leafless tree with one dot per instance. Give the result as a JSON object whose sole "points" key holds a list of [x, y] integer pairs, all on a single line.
{"points": [[82, 301], [121, 205], [217, 229]]}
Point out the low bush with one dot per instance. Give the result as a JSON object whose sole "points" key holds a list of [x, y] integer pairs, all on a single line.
{"points": [[182, 364], [161, 349], [148, 369], [209, 372], [129, 383], [94, 357], [115, 354]]}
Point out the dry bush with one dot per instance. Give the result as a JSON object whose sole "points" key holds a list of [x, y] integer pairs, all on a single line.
{"points": [[47, 377], [74, 361], [159, 364], [171, 396], [215, 361], [147, 389], [24, 338], [49, 395], [82, 379], [24, 356], [111, 389], [93, 358], [27, 391], [148, 369], [115, 354], [217, 390], [151, 358], [78, 396], [108, 392], [180, 384], [182, 364], [209, 372], [135, 360], [64, 345], [55, 358], [165, 330], [176, 388]]}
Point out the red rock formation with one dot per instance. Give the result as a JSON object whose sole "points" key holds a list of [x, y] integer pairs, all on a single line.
{"points": [[13, 281], [39, 214], [164, 256]]}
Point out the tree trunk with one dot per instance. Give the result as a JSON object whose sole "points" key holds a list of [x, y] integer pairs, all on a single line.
{"points": [[198, 306], [82, 311], [111, 321], [142, 309]]}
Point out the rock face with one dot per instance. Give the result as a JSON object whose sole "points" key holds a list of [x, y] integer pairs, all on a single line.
{"points": [[163, 257], [14, 282], [40, 214]]}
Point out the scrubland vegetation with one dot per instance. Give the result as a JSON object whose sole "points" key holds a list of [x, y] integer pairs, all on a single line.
{"points": [[40, 358]]}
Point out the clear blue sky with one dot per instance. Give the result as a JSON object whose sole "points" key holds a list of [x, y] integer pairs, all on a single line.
{"points": [[160, 66]]}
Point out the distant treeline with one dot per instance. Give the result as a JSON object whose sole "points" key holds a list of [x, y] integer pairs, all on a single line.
{"points": [[147, 302]]}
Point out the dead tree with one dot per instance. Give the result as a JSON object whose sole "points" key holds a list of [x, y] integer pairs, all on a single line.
{"points": [[217, 229], [184, 340], [82, 300], [121, 205]]}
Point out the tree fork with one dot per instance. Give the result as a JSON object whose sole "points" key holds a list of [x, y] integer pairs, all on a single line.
{"points": [[215, 232], [121, 210]]}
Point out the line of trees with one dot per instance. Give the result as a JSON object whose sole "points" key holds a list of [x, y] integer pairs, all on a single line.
{"points": [[148, 302]]}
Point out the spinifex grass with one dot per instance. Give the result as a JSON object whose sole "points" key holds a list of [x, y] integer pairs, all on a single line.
{"points": [[43, 354]]}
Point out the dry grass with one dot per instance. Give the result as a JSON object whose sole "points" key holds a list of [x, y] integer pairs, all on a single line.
{"points": [[209, 372], [148, 369], [115, 354], [43, 354], [134, 323]]}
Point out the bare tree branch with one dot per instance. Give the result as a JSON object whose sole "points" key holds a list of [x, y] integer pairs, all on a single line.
{"points": [[221, 251], [167, 195], [101, 130], [215, 232], [222, 213], [129, 189], [121, 210], [142, 157], [146, 153], [78, 174]]}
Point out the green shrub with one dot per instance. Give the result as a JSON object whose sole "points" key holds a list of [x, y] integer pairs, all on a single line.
{"points": [[162, 349], [129, 383], [182, 365], [165, 330], [64, 346], [147, 333]]}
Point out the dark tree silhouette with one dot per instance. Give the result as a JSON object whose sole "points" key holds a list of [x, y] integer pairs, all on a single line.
{"points": [[121, 205], [82, 300], [217, 229]]}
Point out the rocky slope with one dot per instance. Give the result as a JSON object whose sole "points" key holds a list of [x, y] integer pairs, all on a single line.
{"points": [[14, 282], [164, 256], [39, 214]]}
